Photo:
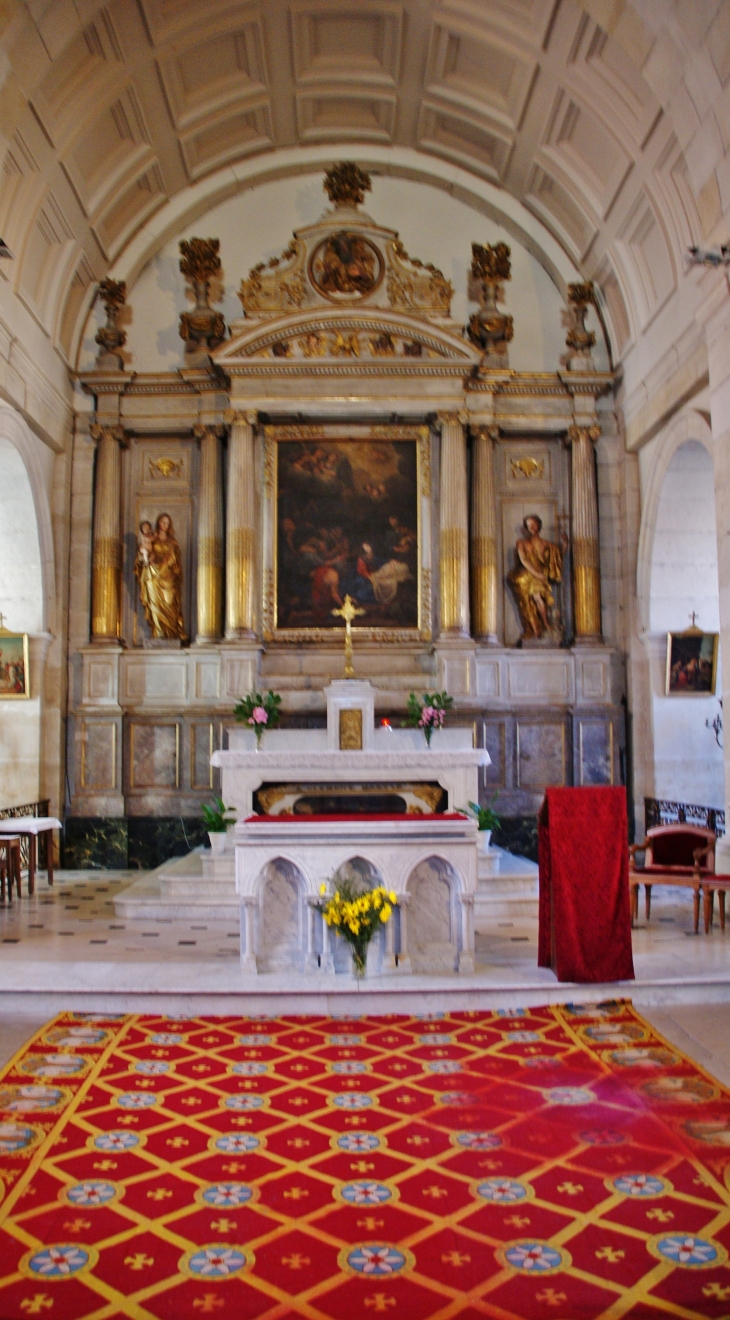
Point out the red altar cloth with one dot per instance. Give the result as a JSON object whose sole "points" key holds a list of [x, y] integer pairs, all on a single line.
{"points": [[585, 916]]}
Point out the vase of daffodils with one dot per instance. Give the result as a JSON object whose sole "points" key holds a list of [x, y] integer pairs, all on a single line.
{"points": [[259, 712], [428, 714], [356, 917]]}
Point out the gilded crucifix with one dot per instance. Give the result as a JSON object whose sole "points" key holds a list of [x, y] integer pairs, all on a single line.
{"points": [[348, 612]]}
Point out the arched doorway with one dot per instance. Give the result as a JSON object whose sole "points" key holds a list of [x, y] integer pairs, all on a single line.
{"points": [[688, 763]]}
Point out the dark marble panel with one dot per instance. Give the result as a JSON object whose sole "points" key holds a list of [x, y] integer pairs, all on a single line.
{"points": [[518, 834], [94, 843], [154, 839]]}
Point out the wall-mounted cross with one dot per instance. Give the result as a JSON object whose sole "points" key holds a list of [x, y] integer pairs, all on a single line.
{"points": [[694, 617]]}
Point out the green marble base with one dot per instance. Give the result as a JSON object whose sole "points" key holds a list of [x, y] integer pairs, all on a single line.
{"points": [[100, 843]]}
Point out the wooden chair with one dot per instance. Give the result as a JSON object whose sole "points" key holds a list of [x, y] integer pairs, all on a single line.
{"points": [[10, 865], [681, 855], [712, 885]]}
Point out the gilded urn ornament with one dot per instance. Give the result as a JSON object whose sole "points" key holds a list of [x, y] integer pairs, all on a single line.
{"points": [[346, 184], [202, 329], [490, 329], [111, 337], [579, 339]]}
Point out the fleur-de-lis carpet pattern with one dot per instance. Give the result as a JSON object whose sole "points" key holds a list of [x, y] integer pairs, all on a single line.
{"points": [[559, 1162]]}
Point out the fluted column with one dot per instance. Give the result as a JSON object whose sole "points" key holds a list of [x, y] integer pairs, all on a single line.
{"points": [[210, 537], [584, 538], [454, 527], [241, 528], [106, 564], [484, 576]]}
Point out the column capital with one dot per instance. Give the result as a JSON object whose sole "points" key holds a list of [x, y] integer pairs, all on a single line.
{"points": [[98, 431], [201, 429], [236, 416], [456, 418], [485, 430], [576, 433]]}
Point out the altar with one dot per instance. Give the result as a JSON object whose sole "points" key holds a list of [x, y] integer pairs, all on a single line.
{"points": [[397, 820]]}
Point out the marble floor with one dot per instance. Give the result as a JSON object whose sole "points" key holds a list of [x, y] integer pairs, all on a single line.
{"points": [[69, 942], [66, 948]]}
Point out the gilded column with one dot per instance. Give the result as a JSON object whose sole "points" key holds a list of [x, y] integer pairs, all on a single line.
{"points": [[584, 539], [454, 527], [484, 577], [106, 564], [210, 536], [241, 528]]}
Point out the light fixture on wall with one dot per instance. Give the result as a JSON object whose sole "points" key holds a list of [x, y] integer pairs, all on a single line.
{"points": [[5, 250], [709, 256]]}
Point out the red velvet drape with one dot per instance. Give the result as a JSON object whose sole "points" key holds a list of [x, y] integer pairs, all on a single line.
{"points": [[585, 916]]}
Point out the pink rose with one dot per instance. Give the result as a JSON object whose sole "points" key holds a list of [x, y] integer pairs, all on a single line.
{"points": [[258, 716]]}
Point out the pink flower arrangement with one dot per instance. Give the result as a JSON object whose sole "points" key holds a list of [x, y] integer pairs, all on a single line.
{"points": [[432, 717], [258, 716], [429, 714], [259, 712]]}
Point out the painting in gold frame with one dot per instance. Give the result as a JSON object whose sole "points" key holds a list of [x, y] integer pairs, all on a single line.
{"points": [[14, 667], [346, 511], [691, 663]]}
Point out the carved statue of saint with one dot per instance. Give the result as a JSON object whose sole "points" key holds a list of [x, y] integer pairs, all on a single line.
{"points": [[158, 569], [539, 563]]}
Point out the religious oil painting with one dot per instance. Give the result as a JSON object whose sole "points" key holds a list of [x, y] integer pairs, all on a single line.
{"points": [[345, 267], [691, 663], [347, 524], [14, 671]]}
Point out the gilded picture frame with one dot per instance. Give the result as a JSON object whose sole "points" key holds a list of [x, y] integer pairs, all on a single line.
{"points": [[691, 666], [409, 619], [14, 666]]}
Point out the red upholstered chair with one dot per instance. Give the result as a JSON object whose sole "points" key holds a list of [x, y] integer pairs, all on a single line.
{"points": [[674, 855]]}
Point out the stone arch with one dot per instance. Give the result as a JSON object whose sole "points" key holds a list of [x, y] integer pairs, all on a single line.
{"points": [[434, 939], [27, 499], [282, 887]]}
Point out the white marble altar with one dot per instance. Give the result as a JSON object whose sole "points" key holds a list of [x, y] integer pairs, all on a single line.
{"points": [[429, 860]]}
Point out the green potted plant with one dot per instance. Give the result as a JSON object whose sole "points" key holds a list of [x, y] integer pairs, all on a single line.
{"points": [[216, 819], [487, 820]]}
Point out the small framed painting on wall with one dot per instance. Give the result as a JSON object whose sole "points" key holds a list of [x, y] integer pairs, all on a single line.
{"points": [[691, 663], [14, 670]]}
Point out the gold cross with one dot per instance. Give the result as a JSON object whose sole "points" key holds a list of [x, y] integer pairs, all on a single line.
{"points": [[348, 612]]}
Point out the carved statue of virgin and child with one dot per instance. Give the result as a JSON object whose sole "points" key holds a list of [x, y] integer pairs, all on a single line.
{"points": [[158, 570], [539, 565]]}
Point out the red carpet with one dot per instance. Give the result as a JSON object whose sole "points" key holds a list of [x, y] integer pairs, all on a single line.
{"points": [[555, 1162]]}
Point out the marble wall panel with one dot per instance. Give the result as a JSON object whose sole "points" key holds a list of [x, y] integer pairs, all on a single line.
{"points": [[154, 760], [540, 678], [202, 746], [98, 756], [541, 756], [494, 738], [595, 752]]}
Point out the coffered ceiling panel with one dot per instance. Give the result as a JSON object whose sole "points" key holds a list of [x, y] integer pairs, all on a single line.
{"points": [[214, 73], [343, 41], [579, 147], [335, 115], [479, 72], [466, 140]]}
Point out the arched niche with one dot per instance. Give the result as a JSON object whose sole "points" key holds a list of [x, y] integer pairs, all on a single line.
{"points": [[362, 875], [433, 918], [22, 605], [682, 580], [282, 919]]}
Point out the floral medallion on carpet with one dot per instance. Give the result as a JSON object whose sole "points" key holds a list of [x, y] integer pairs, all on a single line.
{"points": [[553, 1163]]}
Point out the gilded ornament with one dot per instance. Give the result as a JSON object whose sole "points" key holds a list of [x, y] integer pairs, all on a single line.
{"points": [[276, 286], [111, 337], [314, 344], [415, 286], [344, 345], [382, 345], [490, 329], [580, 298], [202, 329], [346, 266], [166, 467], [346, 184], [528, 467]]}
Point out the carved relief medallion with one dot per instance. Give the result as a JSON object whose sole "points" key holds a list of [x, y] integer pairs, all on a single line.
{"points": [[345, 267]]}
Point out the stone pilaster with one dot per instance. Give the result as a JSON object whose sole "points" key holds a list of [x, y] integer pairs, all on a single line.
{"points": [[106, 566], [584, 535], [484, 575], [454, 538], [241, 528], [210, 537]]}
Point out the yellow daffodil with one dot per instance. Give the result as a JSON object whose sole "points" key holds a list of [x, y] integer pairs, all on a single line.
{"points": [[385, 912], [393, 897]]}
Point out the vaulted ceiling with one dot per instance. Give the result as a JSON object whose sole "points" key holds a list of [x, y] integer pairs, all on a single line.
{"points": [[111, 109]]}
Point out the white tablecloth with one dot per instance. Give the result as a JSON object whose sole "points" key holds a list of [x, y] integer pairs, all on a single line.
{"points": [[29, 824]]}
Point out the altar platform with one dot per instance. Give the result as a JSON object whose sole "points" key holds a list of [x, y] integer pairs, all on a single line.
{"points": [[69, 948]]}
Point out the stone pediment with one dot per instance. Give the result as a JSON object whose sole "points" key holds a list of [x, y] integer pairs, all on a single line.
{"points": [[373, 335]]}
